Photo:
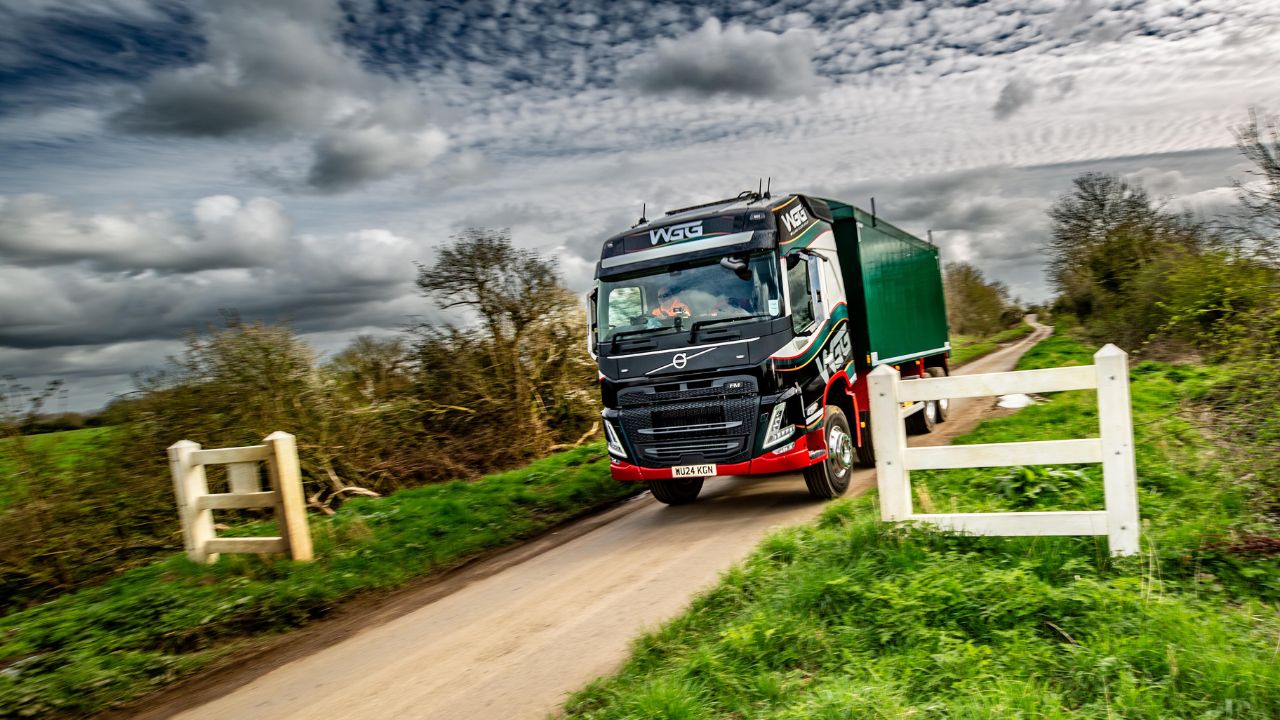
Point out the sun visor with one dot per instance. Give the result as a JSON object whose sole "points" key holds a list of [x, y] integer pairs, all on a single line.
{"points": [[684, 250]]}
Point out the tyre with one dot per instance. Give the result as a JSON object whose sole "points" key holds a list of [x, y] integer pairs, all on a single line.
{"points": [[676, 492], [944, 405], [830, 478], [921, 422], [866, 452]]}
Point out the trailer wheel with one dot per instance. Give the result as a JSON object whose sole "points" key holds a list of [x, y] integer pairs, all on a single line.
{"points": [[921, 422], [866, 452], [943, 405], [676, 492], [830, 478]]}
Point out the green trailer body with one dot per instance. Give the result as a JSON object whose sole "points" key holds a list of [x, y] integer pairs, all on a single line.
{"points": [[893, 280]]}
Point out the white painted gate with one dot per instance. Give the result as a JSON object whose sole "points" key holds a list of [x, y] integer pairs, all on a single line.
{"points": [[1113, 449]]}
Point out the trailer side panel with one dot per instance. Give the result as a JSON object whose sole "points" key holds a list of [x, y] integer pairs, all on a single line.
{"points": [[899, 280]]}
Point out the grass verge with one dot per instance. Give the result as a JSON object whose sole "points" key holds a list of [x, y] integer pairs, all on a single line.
{"points": [[966, 348], [848, 617], [150, 626]]}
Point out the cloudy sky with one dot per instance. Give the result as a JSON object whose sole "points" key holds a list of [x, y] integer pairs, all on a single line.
{"points": [[163, 160]]}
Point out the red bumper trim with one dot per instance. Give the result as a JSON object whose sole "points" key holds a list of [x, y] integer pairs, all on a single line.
{"points": [[796, 458]]}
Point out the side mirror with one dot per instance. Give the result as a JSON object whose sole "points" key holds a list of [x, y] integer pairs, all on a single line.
{"points": [[590, 299], [793, 259]]}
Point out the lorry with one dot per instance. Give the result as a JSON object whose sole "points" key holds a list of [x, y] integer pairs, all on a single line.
{"points": [[735, 338]]}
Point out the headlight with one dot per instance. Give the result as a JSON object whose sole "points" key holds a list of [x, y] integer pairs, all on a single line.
{"points": [[613, 441], [779, 431]]}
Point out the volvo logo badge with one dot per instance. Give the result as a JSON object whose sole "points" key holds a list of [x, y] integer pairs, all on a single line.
{"points": [[681, 359]]}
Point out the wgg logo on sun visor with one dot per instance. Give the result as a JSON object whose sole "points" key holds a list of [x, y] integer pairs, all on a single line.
{"points": [[675, 233]]}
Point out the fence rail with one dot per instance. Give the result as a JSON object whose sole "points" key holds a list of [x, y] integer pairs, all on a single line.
{"points": [[196, 504], [1109, 375]]}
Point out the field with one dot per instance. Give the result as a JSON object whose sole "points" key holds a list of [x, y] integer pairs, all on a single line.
{"points": [[149, 626], [59, 449], [851, 618]]}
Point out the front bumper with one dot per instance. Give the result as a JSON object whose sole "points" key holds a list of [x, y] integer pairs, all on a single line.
{"points": [[797, 458]]}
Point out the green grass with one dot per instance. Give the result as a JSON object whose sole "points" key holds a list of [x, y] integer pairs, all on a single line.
{"points": [[966, 348], [849, 617], [62, 450], [1020, 330], [110, 643]]}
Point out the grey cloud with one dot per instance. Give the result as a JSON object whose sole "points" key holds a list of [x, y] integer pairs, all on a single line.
{"points": [[585, 244], [728, 60], [207, 107], [1019, 92], [271, 67], [78, 362], [36, 231], [458, 170], [1160, 182], [1063, 86], [113, 278], [517, 214], [348, 157], [224, 232], [1070, 18], [993, 217], [279, 70], [94, 374], [79, 309], [1015, 94]]}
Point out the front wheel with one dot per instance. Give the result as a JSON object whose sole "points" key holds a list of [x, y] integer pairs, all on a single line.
{"points": [[830, 478], [676, 492]]}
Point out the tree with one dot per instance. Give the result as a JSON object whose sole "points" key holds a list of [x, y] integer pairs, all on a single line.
{"points": [[1111, 247], [374, 369], [508, 287], [976, 306], [1260, 201], [519, 371]]}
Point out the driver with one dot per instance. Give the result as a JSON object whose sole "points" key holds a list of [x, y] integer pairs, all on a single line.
{"points": [[670, 306]]}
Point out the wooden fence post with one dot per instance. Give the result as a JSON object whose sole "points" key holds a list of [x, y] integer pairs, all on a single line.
{"points": [[1119, 467], [190, 484], [890, 441], [291, 509]]}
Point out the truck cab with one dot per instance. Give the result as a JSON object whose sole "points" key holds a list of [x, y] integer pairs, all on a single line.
{"points": [[728, 344]]}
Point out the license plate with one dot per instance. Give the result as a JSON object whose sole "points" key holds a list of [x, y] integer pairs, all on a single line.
{"points": [[693, 471]]}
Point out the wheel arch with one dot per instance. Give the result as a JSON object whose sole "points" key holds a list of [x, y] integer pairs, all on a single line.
{"points": [[840, 393]]}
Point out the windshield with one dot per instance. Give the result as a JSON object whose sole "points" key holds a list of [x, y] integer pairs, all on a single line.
{"points": [[670, 299]]}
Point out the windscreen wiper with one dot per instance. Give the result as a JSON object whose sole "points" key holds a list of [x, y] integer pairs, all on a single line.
{"points": [[613, 341], [693, 329]]}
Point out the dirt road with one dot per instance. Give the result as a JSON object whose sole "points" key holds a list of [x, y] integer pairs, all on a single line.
{"points": [[513, 644]]}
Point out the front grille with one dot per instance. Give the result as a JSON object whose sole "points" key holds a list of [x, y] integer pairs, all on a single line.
{"points": [[690, 453], [682, 414], [709, 421]]}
